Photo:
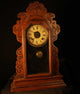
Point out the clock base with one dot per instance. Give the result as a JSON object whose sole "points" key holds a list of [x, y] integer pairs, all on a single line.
{"points": [[30, 84]]}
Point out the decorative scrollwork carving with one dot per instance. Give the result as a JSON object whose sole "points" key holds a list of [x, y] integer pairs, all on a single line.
{"points": [[19, 62], [19, 66]]}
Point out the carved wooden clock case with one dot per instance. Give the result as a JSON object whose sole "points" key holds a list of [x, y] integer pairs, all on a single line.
{"points": [[37, 65]]}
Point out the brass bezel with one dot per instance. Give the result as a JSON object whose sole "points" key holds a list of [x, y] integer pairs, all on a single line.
{"points": [[39, 45]]}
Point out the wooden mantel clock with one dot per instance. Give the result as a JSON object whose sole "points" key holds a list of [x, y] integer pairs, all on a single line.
{"points": [[37, 65]]}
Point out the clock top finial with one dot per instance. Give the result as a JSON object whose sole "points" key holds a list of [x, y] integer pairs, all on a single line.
{"points": [[36, 8]]}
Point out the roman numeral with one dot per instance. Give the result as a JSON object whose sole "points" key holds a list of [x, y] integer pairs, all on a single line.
{"points": [[37, 27], [37, 42], [43, 38], [33, 28], [40, 41], [32, 39], [43, 31], [29, 33], [44, 35]]}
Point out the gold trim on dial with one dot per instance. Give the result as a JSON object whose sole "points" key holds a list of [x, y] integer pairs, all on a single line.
{"points": [[37, 35]]}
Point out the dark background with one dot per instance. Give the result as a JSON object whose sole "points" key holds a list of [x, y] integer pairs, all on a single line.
{"points": [[67, 16]]}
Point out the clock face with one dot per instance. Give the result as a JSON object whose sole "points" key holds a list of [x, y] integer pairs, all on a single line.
{"points": [[37, 35]]}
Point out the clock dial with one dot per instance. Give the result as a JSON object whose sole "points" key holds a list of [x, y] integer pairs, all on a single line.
{"points": [[37, 35]]}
